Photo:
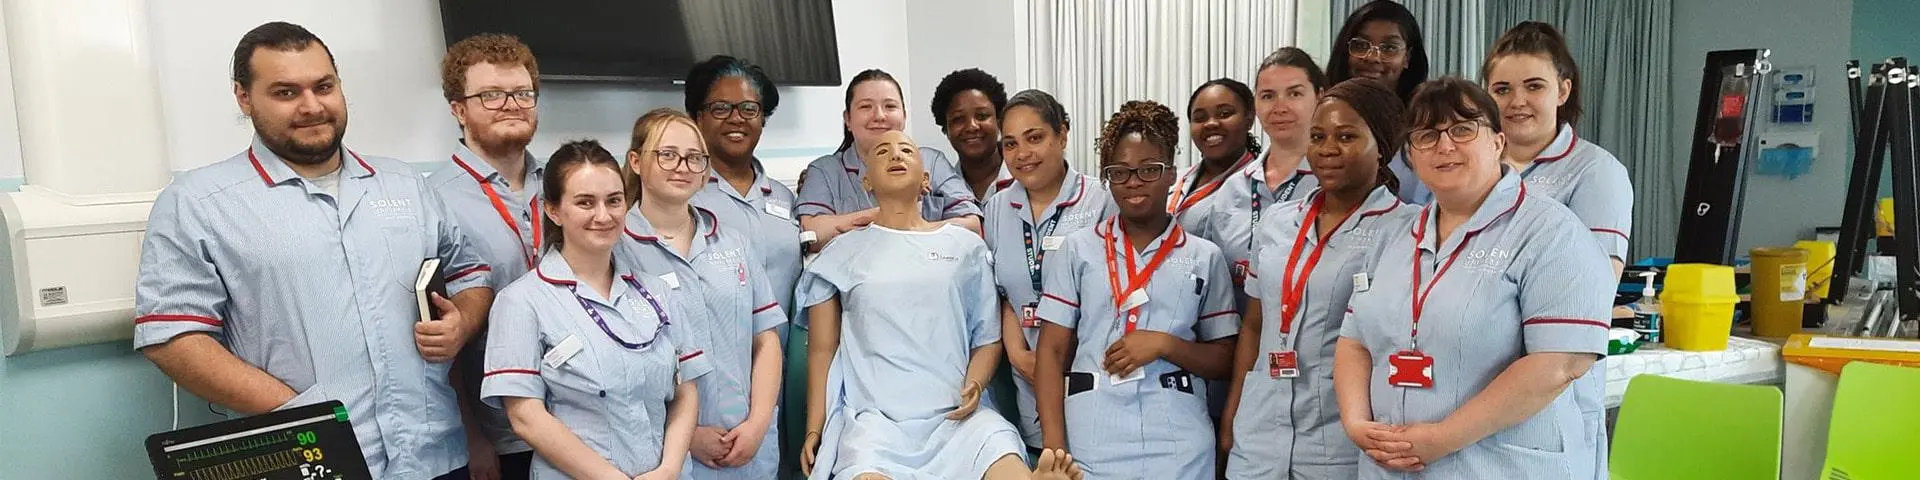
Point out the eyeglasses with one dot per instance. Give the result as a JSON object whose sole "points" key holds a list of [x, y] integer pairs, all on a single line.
{"points": [[1427, 138], [497, 100], [670, 160], [1360, 47], [749, 110], [1148, 172]]}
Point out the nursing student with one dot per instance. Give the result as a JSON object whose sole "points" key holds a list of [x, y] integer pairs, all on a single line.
{"points": [[1281, 420], [587, 354], [1029, 219], [273, 279], [905, 334], [967, 106], [1136, 313], [1381, 40], [1472, 350], [695, 257], [492, 188], [832, 199], [1285, 91], [731, 99], [1220, 123], [1533, 78]]}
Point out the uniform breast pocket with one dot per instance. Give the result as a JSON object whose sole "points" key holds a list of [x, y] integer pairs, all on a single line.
{"points": [[406, 247]]}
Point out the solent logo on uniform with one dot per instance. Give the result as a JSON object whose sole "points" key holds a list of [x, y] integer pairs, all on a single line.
{"points": [[1488, 261], [391, 209]]}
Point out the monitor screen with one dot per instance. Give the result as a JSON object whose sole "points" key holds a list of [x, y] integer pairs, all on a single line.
{"points": [[657, 40]]}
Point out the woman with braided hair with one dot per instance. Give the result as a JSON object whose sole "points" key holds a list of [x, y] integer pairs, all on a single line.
{"points": [[1126, 343], [1282, 420]]}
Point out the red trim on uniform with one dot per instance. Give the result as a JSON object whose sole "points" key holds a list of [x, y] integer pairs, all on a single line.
{"points": [[1058, 299], [257, 168], [507, 371], [1623, 235], [555, 281], [766, 307], [690, 356], [1219, 313], [363, 163], [1002, 184], [1563, 153], [1565, 321], [177, 318], [822, 205], [1382, 210], [714, 221], [1016, 205], [469, 271], [956, 202], [643, 238]]}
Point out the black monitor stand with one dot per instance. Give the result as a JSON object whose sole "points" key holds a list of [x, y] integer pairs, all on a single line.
{"points": [[1723, 138]]}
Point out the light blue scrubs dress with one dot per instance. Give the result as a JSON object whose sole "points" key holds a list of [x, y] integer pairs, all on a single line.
{"points": [[1524, 277], [628, 359], [1020, 246], [1589, 181], [509, 248], [765, 214], [1244, 199], [1155, 426], [721, 271], [914, 306], [316, 290], [833, 187], [1290, 427]]}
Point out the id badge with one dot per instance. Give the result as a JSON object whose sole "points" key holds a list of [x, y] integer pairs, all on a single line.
{"points": [[1240, 271], [1411, 369], [1027, 318], [1283, 364], [1051, 242]]}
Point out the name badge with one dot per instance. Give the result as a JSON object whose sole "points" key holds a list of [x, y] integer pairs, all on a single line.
{"points": [[1027, 318], [1283, 364], [1134, 300], [1361, 283], [1138, 374], [778, 209], [562, 352], [1051, 243], [672, 280], [1410, 369]]}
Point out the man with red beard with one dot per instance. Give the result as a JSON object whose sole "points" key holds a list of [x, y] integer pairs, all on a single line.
{"points": [[492, 187], [281, 277]]}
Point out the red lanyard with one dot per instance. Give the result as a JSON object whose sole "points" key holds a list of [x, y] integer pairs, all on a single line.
{"points": [[500, 206], [1136, 279], [1419, 296], [1293, 291], [1181, 202]]}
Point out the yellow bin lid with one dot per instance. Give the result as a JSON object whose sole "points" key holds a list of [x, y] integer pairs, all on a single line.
{"points": [[1831, 353]]}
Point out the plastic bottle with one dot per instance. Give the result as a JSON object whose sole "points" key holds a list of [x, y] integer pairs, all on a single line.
{"points": [[1646, 312]]}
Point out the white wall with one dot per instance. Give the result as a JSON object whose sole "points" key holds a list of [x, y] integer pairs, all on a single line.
{"points": [[1778, 211], [948, 36], [389, 53]]}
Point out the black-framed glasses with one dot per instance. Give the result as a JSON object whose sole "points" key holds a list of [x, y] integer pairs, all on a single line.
{"points": [[1462, 132], [748, 110], [1362, 48], [669, 160], [1147, 172], [497, 99]]}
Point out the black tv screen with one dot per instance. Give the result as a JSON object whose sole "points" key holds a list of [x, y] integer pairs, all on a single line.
{"points": [[657, 40]]}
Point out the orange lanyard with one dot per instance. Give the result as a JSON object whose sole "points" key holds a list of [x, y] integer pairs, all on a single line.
{"points": [[500, 206], [1293, 291], [1136, 279]]}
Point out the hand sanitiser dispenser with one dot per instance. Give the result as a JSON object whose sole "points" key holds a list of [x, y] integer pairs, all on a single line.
{"points": [[94, 151]]}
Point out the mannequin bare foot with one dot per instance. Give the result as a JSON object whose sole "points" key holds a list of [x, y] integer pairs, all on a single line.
{"points": [[1056, 465]]}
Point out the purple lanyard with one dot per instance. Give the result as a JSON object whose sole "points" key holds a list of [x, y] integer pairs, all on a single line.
{"points": [[597, 319]]}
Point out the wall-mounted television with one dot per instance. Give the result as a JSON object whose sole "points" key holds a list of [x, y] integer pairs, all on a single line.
{"points": [[647, 41]]}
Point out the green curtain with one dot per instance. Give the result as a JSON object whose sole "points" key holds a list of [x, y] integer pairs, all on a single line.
{"points": [[1450, 28], [1624, 51]]}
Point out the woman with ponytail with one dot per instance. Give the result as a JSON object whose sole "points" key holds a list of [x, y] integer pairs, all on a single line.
{"points": [[832, 200]]}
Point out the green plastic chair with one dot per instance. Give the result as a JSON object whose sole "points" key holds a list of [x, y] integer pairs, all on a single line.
{"points": [[1682, 429], [1875, 423]]}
